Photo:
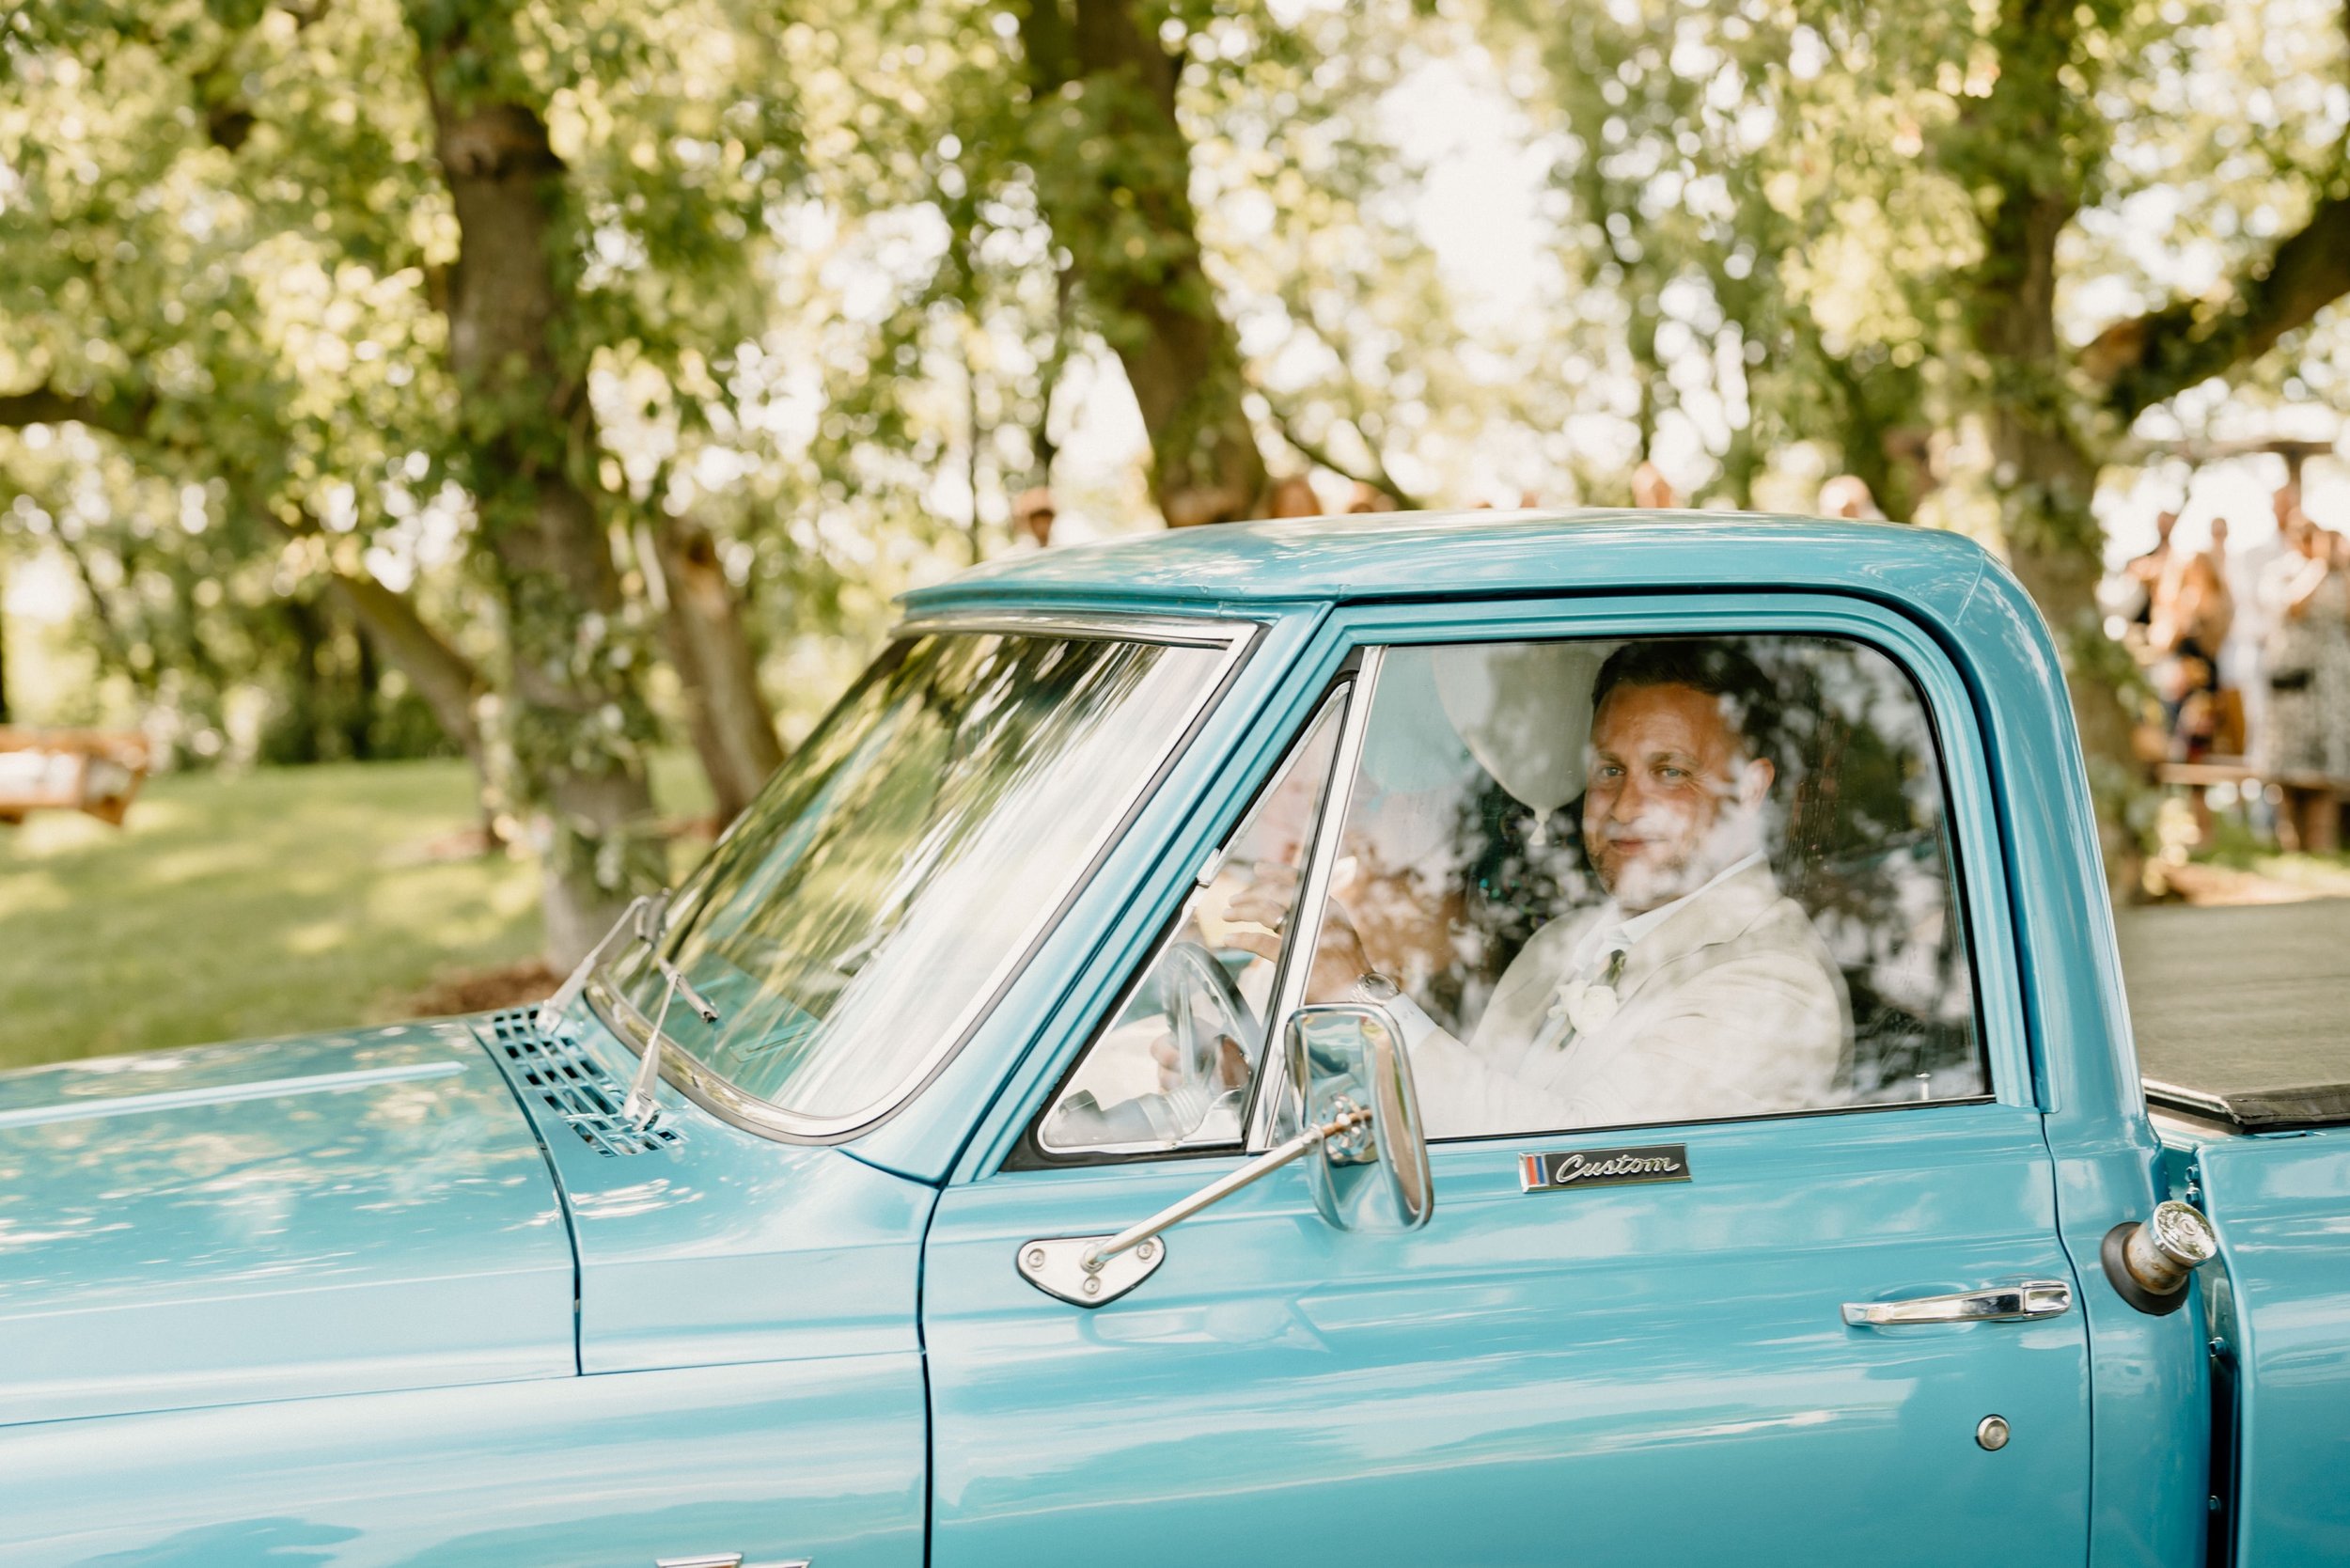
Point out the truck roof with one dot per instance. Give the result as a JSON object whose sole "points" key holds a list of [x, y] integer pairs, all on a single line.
{"points": [[1415, 555]]}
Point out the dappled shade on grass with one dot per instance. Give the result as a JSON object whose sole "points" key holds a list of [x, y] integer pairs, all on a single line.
{"points": [[233, 906], [287, 899]]}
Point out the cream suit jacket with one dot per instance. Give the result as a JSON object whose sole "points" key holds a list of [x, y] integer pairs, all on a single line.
{"points": [[1732, 1007]]}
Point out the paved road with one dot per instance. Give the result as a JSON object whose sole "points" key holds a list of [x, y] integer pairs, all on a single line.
{"points": [[2256, 997]]}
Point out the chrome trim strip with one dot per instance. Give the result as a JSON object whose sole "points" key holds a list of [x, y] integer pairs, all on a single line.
{"points": [[227, 1094], [716, 1094], [1181, 631], [1297, 962]]}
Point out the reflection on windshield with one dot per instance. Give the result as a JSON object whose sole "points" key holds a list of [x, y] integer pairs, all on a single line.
{"points": [[898, 864]]}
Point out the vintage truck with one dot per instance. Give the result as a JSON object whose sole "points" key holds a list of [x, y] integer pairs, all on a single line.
{"points": [[988, 1157]]}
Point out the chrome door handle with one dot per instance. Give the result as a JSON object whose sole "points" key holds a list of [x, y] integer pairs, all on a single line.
{"points": [[2033, 1299], [722, 1560]]}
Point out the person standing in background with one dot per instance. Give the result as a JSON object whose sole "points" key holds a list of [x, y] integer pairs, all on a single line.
{"points": [[1294, 497], [2145, 571], [1652, 491], [2243, 657], [1848, 496], [2192, 611], [1032, 518], [2308, 732]]}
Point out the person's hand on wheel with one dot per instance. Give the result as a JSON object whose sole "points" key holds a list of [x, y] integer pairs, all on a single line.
{"points": [[1271, 894], [1232, 1063]]}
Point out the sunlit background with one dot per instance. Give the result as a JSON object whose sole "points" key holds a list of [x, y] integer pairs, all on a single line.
{"points": [[829, 294]]}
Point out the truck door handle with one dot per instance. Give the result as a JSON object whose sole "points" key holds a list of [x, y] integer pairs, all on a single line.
{"points": [[2033, 1299], [722, 1560]]}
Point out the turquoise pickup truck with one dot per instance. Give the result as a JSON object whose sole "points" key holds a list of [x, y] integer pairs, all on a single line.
{"points": [[1478, 1040]]}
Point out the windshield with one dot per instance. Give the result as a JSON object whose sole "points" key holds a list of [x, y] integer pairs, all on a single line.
{"points": [[889, 876]]}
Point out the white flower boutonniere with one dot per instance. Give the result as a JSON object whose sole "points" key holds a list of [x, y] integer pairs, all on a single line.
{"points": [[1585, 1005], [1590, 1007]]}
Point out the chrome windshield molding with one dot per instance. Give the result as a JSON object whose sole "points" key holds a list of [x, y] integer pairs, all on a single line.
{"points": [[1297, 962], [1181, 631], [714, 1093]]}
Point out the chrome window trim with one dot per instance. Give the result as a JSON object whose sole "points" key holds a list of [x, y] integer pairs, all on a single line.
{"points": [[1289, 991], [1177, 630], [718, 1094]]}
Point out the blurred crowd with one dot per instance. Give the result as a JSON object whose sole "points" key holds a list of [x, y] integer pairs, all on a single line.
{"points": [[2247, 652]]}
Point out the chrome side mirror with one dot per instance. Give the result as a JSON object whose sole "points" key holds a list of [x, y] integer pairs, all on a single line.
{"points": [[1367, 1162], [1346, 1059]]}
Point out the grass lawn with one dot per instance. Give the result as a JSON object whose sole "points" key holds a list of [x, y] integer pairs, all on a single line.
{"points": [[276, 900]]}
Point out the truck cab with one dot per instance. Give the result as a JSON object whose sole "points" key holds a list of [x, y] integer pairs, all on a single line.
{"points": [[1449, 1039]]}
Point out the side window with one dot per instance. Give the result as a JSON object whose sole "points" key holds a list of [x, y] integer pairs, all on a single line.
{"points": [[1665, 880], [1175, 1064]]}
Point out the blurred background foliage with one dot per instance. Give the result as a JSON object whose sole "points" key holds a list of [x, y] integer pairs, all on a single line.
{"points": [[555, 386]]}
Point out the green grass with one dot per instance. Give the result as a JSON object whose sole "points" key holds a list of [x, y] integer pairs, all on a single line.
{"points": [[261, 903], [2233, 846]]}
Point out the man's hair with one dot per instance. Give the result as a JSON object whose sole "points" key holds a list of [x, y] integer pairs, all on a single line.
{"points": [[1715, 667]]}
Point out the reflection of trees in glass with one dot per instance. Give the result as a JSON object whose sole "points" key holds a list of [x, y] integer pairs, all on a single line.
{"points": [[1520, 870], [889, 828], [1859, 841]]}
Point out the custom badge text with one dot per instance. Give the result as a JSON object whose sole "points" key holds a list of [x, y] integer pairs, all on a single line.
{"points": [[1602, 1167]]}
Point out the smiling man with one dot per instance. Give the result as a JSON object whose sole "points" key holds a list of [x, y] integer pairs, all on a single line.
{"points": [[1696, 990]]}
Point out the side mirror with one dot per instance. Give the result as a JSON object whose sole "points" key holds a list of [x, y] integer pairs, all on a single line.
{"points": [[1359, 1133], [1348, 1057]]}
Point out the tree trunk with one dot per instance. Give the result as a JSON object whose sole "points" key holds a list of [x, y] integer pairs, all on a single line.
{"points": [[579, 717], [2044, 468], [444, 677], [1099, 80], [733, 728]]}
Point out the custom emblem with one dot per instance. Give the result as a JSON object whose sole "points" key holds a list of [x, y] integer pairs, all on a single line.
{"points": [[1602, 1167]]}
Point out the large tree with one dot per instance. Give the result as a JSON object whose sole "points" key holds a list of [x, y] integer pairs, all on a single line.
{"points": [[2036, 148], [325, 261]]}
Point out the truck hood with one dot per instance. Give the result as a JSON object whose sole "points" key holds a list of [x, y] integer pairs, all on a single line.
{"points": [[331, 1213]]}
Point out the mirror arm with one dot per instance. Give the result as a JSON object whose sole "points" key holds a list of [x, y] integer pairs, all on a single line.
{"points": [[1216, 1191]]}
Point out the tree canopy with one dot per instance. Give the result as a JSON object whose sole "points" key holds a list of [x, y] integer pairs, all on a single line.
{"points": [[540, 381]]}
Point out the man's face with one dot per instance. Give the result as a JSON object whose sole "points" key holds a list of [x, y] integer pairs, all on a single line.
{"points": [[1672, 798]]}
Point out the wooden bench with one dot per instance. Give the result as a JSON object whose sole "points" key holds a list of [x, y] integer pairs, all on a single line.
{"points": [[95, 771], [2325, 836]]}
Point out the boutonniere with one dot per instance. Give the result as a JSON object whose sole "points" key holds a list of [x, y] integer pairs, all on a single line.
{"points": [[1590, 1007], [1586, 1004]]}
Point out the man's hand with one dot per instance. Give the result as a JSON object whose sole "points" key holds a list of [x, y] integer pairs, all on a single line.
{"points": [[1267, 900], [1232, 1063]]}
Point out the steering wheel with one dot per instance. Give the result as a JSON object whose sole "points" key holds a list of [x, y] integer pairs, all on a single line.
{"points": [[1204, 1008]]}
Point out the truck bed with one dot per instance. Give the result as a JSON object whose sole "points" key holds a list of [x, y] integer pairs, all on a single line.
{"points": [[2243, 1014]]}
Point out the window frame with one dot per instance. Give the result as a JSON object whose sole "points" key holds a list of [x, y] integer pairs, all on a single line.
{"points": [[1977, 875], [1341, 691]]}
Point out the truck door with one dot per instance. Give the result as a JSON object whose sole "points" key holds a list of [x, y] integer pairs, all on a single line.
{"points": [[1658, 1315]]}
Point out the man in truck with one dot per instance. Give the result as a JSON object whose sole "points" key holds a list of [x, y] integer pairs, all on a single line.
{"points": [[1696, 990]]}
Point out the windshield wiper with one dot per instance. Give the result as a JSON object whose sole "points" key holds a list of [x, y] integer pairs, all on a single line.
{"points": [[641, 1106], [642, 922]]}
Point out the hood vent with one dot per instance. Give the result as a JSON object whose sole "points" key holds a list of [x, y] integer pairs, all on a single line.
{"points": [[559, 1070]]}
